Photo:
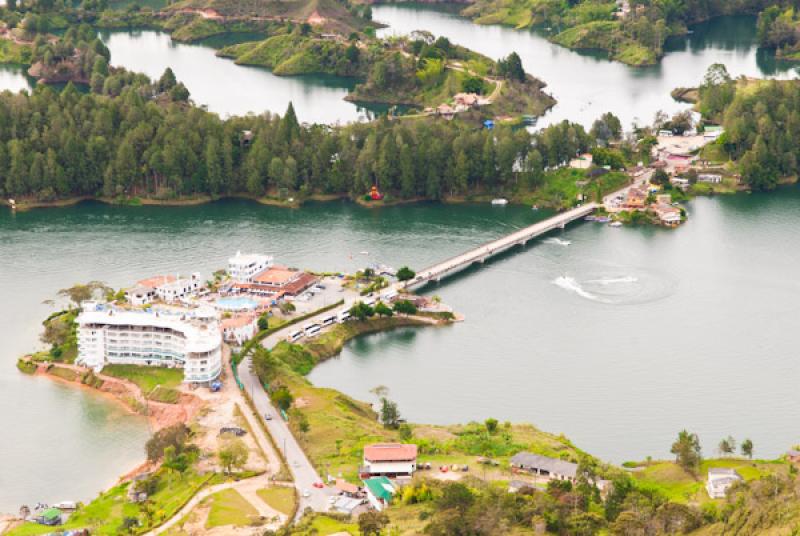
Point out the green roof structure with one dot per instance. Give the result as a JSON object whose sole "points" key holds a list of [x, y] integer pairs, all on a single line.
{"points": [[381, 487]]}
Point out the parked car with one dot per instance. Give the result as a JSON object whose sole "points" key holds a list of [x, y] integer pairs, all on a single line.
{"points": [[267, 417], [306, 493], [318, 485]]}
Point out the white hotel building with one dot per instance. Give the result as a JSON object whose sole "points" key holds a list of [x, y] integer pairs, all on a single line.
{"points": [[242, 268], [192, 341]]}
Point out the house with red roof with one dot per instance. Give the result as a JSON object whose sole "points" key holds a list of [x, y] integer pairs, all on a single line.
{"points": [[389, 459]]}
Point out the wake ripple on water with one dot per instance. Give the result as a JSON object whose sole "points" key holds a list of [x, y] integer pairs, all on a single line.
{"points": [[614, 280], [571, 284], [558, 242], [615, 289]]}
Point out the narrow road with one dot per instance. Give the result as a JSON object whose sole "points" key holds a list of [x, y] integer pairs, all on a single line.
{"points": [[303, 471], [247, 488]]}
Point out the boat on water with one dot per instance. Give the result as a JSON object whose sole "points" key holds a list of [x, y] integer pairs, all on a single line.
{"points": [[535, 207], [602, 219], [590, 218], [615, 224], [500, 201]]}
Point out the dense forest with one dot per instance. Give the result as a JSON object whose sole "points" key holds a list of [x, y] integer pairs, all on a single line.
{"points": [[779, 29], [140, 138], [762, 125], [633, 31]]}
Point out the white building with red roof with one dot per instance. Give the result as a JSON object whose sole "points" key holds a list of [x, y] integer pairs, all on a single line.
{"points": [[389, 459]]}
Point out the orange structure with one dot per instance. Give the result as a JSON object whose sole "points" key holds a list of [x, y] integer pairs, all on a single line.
{"points": [[374, 194]]}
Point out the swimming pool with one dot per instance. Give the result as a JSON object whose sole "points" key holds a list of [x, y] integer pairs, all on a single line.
{"points": [[237, 304]]}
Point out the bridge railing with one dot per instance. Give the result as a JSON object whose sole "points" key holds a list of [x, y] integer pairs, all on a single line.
{"points": [[579, 210]]}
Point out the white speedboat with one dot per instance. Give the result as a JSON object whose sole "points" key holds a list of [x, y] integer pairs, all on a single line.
{"points": [[615, 224], [500, 201]]}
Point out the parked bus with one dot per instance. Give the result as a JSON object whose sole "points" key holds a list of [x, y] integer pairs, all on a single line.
{"points": [[371, 300], [344, 316], [389, 296], [295, 335], [328, 321], [311, 330]]}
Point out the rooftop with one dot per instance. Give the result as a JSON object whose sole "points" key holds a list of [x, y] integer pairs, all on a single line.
{"points": [[248, 258], [156, 281], [381, 487], [277, 275], [551, 465], [388, 452]]}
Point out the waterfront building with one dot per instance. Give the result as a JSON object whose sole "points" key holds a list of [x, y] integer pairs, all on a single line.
{"points": [[242, 268], [278, 282], [720, 480], [668, 215], [189, 339], [179, 288], [389, 459], [550, 468], [140, 295]]}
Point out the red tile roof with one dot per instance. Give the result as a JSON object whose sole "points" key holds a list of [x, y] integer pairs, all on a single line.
{"points": [[347, 487], [390, 452]]}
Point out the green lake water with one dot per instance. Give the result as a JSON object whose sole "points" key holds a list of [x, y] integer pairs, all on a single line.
{"points": [[619, 338]]}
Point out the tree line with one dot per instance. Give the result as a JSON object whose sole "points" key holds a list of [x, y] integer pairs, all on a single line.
{"points": [[138, 137]]}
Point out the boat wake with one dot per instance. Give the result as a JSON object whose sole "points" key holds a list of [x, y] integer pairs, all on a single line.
{"points": [[571, 284], [614, 280], [558, 242]]}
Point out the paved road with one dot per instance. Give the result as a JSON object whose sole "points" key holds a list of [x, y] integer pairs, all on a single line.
{"points": [[303, 471]]}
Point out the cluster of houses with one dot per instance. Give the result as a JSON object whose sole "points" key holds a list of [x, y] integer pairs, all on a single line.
{"points": [[660, 205], [677, 154], [462, 102], [387, 466]]}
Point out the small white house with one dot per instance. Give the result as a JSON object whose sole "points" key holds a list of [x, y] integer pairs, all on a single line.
{"points": [[720, 480], [178, 288], [140, 295], [240, 328], [710, 178]]}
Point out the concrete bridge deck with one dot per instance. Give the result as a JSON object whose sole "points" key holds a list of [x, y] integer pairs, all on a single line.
{"points": [[490, 249]]}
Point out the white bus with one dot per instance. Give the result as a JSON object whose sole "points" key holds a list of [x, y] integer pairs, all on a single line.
{"points": [[311, 330], [389, 296], [372, 300], [295, 335], [344, 316], [330, 320]]}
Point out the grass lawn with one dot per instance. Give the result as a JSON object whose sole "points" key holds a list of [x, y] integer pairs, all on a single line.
{"points": [[680, 486], [280, 498], [322, 525], [228, 507], [103, 516], [157, 383]]}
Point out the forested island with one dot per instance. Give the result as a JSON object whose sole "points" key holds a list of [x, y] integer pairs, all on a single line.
{"points": [[630, 31]]}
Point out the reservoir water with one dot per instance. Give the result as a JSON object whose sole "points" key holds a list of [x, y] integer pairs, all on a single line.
{"points": [[587, 84], [617, 337]]}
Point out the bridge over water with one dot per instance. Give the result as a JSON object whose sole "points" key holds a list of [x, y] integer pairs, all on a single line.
{"points": [[490, 249]]}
